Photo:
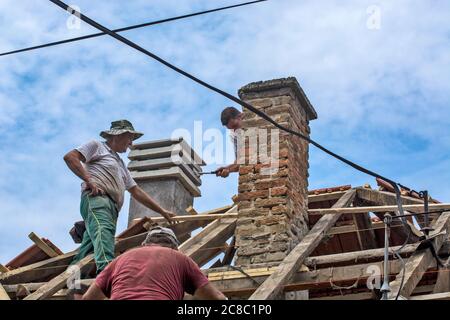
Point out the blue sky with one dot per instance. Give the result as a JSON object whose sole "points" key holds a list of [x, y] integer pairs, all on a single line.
{"points": [[382, 95]]}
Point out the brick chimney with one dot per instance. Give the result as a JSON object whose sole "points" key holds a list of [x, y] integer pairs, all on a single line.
{"points": [[169, 170], [273, 206]]}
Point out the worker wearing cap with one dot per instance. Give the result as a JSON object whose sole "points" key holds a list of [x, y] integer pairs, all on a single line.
{"points": [[231, 118], [154, 271], [105, 179]]}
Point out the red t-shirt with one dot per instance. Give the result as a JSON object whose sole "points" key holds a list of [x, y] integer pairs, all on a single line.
{"points": [[151, 273]]}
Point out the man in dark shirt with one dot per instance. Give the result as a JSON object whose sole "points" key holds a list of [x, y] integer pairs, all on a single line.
{"points": [[155, 271]]}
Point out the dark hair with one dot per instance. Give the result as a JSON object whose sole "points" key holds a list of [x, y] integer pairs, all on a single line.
{"points": [[229, 113]]}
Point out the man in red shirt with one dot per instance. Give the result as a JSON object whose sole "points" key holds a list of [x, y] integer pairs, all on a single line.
{"points": [[155, 271]]}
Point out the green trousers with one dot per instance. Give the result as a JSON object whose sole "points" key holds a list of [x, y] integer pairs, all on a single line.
{"points": [[100, 217]]}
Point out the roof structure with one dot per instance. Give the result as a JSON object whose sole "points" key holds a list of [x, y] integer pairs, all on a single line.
{"points": [[340, 255]]}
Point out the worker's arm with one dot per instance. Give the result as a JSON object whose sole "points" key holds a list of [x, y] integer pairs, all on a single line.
{"points": [[225, 171], [209, 292], [141, 196], [94, 293], [73, 160]]}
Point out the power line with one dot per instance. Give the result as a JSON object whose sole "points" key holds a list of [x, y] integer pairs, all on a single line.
{"points": [[219, 91], [137, 26]]}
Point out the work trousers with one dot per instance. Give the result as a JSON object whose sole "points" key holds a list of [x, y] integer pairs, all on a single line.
{"points": [[100, 217]]}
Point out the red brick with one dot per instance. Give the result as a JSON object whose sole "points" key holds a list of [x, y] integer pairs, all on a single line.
{"points": [[253, 195], [278, 191], [270, 202]]}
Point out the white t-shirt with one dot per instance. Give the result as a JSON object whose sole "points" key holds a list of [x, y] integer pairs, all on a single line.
{"points": [[107, 170]]}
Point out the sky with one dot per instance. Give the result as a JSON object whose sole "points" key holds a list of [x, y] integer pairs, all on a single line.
{"points": [[377, 73]]}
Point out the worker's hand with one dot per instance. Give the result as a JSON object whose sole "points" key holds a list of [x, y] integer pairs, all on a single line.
{"points": [[169, 215], [223, 172], [95, 190]]}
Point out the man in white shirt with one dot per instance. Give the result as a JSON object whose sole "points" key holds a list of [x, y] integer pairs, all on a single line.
{"points": [[105, 179]]}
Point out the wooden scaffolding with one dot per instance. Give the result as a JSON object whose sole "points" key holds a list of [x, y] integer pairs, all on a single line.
{"points": [[340, 258]]}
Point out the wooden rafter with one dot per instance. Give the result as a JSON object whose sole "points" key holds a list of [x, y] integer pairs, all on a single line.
{"points": [[3, 294], [393, 208], [443, 279], [42, 245], [235, 283], [210, 241], [59, 282], [325, 196], [3, 269], [434, 296], [274, 284], [419, 262], [39, 270], [230, 252], [382, 198], [365, 232], [198, 217]]}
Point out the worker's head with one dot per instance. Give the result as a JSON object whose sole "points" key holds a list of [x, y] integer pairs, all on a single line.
{"points": [[231, 118], [164, 237], [121, 135]]}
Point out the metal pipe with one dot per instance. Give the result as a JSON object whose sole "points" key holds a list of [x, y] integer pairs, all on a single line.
{"points": [[385, 289]]}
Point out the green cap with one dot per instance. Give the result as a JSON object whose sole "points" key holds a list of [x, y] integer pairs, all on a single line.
{"points": [[120, 127]]}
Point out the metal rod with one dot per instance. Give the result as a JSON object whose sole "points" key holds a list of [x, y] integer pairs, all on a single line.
{"points": [[425, 204], [385, 289]]}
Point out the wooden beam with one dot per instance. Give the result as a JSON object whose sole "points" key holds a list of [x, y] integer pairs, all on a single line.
{"points": [[210, 241], [443, 279], [31, 287], [365, 233], [60, 281], [352, 296], [197, 217], [229, 253], [217, 211], [412, 208], [3, 294], [42, 245], [325, 196], [369, 295], [418, 263], [190, 210], [38, 271], [183, 229], [434, 296], [273, 286], [348, 258], [237, 284], [3, 269], [382, 198]]}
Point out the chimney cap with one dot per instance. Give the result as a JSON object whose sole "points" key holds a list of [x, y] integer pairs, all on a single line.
{"points": [[275, 84]]}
